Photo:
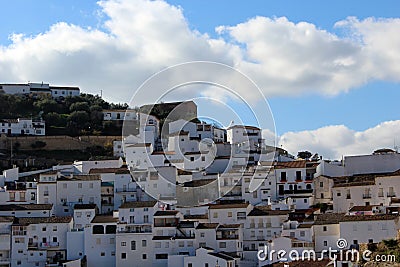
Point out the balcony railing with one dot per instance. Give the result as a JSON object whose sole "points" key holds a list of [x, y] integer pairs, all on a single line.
{"points": [[391, 194], [227, 237], [298, 191], [365, 196], [136, 230], [32, 245], [49, 244], [122, 190]]}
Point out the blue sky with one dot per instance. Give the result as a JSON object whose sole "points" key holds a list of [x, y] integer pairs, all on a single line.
{"points": [[358, 106]]}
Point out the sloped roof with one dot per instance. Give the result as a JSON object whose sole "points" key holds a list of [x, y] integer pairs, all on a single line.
{"points": [[41, 220], [138, 204]]}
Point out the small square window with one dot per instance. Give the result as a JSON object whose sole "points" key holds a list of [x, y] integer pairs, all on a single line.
{"points": [[144, 256]]}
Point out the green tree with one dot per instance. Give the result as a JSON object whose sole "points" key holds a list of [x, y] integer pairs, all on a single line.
{"points": [[304, 154], [79, 106], [47, 105]]}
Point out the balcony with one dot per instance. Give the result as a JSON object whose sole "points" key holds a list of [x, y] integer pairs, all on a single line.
{"points": [[391, 194], [49, 245], [223, 237], [298, 191], [32, 245], [365, 196], [107, 203], [136, 230], [127, 190]]}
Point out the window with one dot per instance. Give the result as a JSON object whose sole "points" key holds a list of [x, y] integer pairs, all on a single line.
{"points": [[222, 245], [162, 256], [241, 216], [123, 244], [321, 184], [305, 200], [133, 245], [325, 243], [79, 214], [144, 243], [91, 185], [215, 215], [55, 239], [102, 254], [98, 241], [302, 233], [325, 228], [202, 244], [157, 244], [298, 175], [181, 244], [144, 256], [55, 228], [123, 255], [43, 229], [146, 218], [202, 234], [79, 185], [283, 176], [189, 265], [229, 213], [19, 240], [338, 194]]}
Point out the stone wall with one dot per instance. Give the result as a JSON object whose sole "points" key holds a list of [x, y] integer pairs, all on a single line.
{"points": [[57, 142]]}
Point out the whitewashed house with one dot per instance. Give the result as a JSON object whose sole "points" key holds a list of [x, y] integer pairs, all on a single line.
{"points": [[22, 126], [38, 241]]}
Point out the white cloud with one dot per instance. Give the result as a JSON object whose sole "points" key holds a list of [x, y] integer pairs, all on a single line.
{"points": [[139, 38], [335, 141]]}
